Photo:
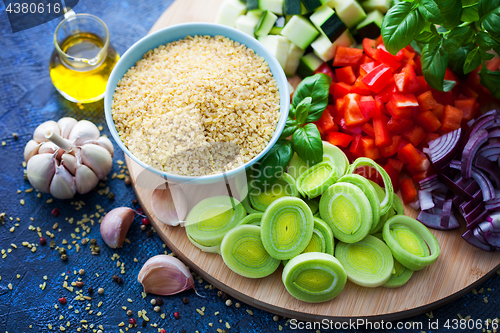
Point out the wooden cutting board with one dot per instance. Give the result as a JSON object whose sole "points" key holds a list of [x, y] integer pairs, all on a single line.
{"points": [[459, 268]]}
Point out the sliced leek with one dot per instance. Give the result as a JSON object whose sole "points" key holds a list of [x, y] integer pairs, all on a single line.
{"points": [[243, 252], [246, 204], [400, 275], [209, 249], [347, 211], [315, 180], [398, 206], [253, 219], [285, 186], [370, 193], [212, 218], [383, 218], [368, 263], [386, 203], [313, 204], [296, 166], [324, 232], [411, 243], [314, 277], [286, 227], [335, 155]]}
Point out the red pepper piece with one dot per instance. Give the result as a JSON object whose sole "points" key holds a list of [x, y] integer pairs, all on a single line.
{"points": [[378, 78], [353, 115], [399, 126], [339, 139], [385, 94], [398, 113], [468, 107], [445, 98], [426, 101], [382, 135], [452, 118], [370, 150], [366, 68], [392, 148], [347, 56], [423, 86], [414, 135], [356, 148], [326, 69], [368, 129], [360, 88], [393, 174], [396, 164], [326, 122], [370, 47], [340, 90], [404, 100], [438, 111], [412, 155], [345, 74], [428, 121], [408, 191], [368, 106], [382, 55]]}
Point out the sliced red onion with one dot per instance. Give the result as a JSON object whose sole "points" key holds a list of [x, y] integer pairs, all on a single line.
{"points": [[494, 219], [446, 212], [494, 133], [492, 238], [458, 186], [470, 122], [475, 222], [445, 148], [425, 198], [477, 233], [468, 206], [490, 151], [438, 200], [470, 150], [469, 237], [484, 183], [432, 219], [490, 168], [415, 205], [493, 204], [428, 182]]}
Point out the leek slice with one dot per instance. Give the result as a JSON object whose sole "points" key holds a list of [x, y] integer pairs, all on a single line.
{"points": [[396, 209], [411, 243], [244, 254], [253, 219], [347, 211], [386, 203], [314, 277], [246, 204], [286, 227], [336, 156], [368, 263], [212, 218], [208, 249], [397, 205], [296, 166], [284, 187], [399, 277], [315, 180], [370, 193], [313, 204]]}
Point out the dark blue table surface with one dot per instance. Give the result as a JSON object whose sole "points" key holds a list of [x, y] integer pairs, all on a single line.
{"points": [[28, 98]]}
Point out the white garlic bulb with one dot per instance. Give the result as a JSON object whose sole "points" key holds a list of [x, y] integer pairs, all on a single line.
{"points": [[67, 156]]}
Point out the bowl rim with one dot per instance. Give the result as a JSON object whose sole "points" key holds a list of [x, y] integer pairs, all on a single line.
{"points": [[205, 29]]}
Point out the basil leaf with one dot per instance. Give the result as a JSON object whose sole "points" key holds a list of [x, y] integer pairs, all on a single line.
{"points": [[273, 164], [291, 113], [402, 23], [472, 61], [456, 38], [307, 144], [434, 62], [490, 80], [448, 85], [468, 3], [485, 55], [451, 11], [470, 14], [486, 42], [430, 11], [457, 59], [290, 127], [424, 37], [489, 13], [303, 110], [317, 87]]}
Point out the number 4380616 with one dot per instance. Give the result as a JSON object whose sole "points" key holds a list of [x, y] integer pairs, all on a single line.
{"points": [[471, 324], [33, 8]]}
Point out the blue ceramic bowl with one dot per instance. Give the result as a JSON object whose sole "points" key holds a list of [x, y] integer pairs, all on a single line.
{"points": [[173, 33]]}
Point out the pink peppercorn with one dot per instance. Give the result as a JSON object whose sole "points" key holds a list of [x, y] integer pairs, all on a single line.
{"points": [[163, 331], [55, 212], [145, 221], [63, 300], [43, 241], [177, 315], [131, 321]]}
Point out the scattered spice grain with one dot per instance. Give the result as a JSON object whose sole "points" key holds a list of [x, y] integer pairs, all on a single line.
{"points": [[185, 300], [43, 241], [55, 212], [100, 291], [159, 301]]}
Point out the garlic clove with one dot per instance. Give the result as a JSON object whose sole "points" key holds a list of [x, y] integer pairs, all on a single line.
{"points": [[31, 149], [165, 275], [40, 170], [50, 148], [106, 143], [69, 162], [39, 134], [63, 184], [169, 204], [66, 124], [97, 158], [83, 131], [115, 225], [85, 179]]}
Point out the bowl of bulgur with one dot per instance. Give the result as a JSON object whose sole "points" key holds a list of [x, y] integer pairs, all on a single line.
{"points": [[197, 102]]}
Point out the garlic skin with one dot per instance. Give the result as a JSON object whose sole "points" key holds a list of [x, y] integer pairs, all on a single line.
{"points": [[31, 150], [169, 204], [39, 134], [85, 179], [115, 225], [63, 184], [83, 131], [69, 162], [106, 143], [50, 148], [96, 158], [66, 124], [40, 170], [165, 275]]}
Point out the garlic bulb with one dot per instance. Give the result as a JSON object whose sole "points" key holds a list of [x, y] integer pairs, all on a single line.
{"points": [[67, 156], [115, 225]]}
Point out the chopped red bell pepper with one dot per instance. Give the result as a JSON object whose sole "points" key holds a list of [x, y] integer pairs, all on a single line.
{"points": [[356, 148], [396, 164], [370, 173], [360, 88], [382, 55], [399, 126], [468, 107], [352, 114], [339, 139], [368, 129], [382, 136], [412, 155], [400, 156], [347, 56], [369, 107], [385, 94], [426, 101], [393, 174], [340, 90], [370, 150], [378, 78], [417, 177], [422, 166], [398, 113], [332, 110], [357, 129], [438, 111], [430, 137], [452, 118], [428, 121], [414, 135], [392, 148], [423, 86], [370, 47], [445, 98], [326, 69], [326, 122], [468, 92], [345, 74], [404, 100], [406, 81], [408, 191], [367, 68]]}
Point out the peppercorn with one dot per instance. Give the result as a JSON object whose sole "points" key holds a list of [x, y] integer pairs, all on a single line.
{"points": [[111, 195], [163, 331], [149, 233], [177, 315], [143, 227], [229, 302], [117, 279], [276, 318], [43, 241], [144, 323], [55, 212], [93, 241], [157, 308], [139, 210], [63, 300], [134, 202], [220, 293], [96, 250], [131, 321], [159, 301], [224, 297], [237, 305], [81, 271], [185, 300], [153, 301], [79, 284], [90, 291], [145, 221], [130, 313], [64, 257], [62, 250], [128, 181], [100, 291], [15, 136], [85, 241]]}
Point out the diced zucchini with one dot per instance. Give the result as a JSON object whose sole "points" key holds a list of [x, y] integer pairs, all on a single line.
{"points": [[311, 5], [370, 26], [291, 7], [266, 23], [382, 5], [330, 3], [308, 64], [247, 23], [275, 6], [350, 12], [253, 4], [278, 46], [327, 22], [293, 59], [229, 12], [325, 49], [255, 13], [275, 31], [300, 31]]}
